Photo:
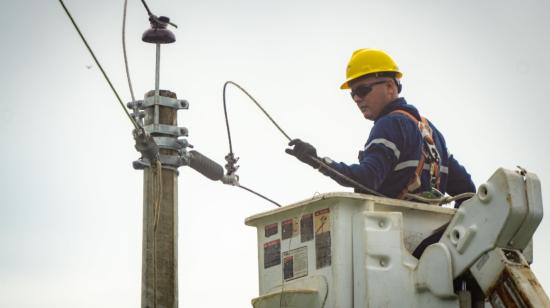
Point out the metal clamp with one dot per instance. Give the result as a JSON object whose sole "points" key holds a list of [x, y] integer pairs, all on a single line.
{"points": [[164, 101], [135, 104], [145, 144], [171, 143], [166, 130], [172, 162]]}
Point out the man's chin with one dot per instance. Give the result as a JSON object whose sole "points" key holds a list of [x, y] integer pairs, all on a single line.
{"points": [[368, 116]]}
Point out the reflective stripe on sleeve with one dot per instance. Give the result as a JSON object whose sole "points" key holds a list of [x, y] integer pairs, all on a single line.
{"points": [[386, 143], [414, 164]]}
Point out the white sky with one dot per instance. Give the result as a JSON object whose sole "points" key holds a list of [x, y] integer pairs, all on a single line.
{"points": [[70, 228]]}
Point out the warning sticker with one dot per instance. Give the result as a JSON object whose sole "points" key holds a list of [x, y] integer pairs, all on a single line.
{"points": [[289, 228], [322, 250], [322, 221], [271, 229], [306, 227], [322, 238], [272, 253], [295, 263]]}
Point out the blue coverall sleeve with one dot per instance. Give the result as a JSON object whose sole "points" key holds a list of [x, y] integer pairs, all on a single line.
{"points": [[379, 157], [370, 172]]}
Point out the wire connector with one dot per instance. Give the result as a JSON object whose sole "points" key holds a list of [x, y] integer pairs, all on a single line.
{"points": [[146, 145], [232, 180], [231, 166]]}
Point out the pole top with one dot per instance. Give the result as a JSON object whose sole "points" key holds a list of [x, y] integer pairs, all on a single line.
{"points": [[165, 93], [158, 33]]}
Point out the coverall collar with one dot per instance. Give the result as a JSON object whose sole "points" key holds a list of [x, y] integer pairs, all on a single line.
{"points": [[399, 103]]}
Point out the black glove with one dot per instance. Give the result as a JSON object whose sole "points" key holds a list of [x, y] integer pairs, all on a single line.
{"points": [[304, 151]]}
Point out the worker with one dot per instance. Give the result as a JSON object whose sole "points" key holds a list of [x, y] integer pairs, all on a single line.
{"points": [[404, 153]]}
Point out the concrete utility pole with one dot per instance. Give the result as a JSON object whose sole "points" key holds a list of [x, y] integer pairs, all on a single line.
{"points": [[157, 138], [160, 247], [162, 153]]}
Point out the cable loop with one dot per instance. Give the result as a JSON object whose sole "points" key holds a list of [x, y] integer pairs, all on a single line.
{"points": [[351, 181], [327, 167]]}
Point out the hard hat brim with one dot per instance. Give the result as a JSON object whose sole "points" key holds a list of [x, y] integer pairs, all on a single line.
{"points": [[393, 74]]}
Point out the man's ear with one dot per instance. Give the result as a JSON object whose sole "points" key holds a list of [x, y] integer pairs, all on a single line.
{"points": [[393, 89]]}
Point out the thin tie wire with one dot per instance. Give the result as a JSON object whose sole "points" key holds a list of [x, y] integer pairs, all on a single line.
{"points": [[157, 195], [124, 51], [136, 125]]}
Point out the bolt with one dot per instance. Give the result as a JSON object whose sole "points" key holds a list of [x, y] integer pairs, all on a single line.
{"points": [[184, 104]]}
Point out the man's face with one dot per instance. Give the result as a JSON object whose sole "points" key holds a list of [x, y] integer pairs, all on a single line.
{"points": [[372, 103]]}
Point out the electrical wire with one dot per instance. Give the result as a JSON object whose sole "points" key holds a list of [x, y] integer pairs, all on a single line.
{"points": [[157, 195], [99, 65], [326, 293], [325, 166], [153, 16], [146, 8], [350, 180], [255, 102], [355, 184], [440, 201], [124, 51], [258, 194]]}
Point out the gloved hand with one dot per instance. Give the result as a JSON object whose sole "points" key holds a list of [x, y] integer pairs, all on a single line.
{"points": [[304, 152]]}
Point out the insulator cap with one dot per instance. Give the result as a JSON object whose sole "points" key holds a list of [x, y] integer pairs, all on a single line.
{"points": [[158, 34]]}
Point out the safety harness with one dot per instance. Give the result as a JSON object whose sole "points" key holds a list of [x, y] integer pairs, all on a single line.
{"points": [[429, 156]]}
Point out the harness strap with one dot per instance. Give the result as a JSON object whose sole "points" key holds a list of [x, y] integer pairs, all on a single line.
{"points": [[427, 147]]}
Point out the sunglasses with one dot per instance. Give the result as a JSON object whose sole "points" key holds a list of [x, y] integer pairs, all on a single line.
{"points": [[362, 90]]}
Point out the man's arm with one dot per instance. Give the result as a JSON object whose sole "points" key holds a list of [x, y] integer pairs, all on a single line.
{"points": [[371, 171], [380, 154]]}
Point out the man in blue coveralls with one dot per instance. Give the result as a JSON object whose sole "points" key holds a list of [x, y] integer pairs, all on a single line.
{"points": [[405, 153]]}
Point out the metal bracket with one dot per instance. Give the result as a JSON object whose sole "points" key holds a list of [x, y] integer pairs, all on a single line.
{"points": [[166, 130], [134, 104], [232, 179], [171, 143], [172, 162], [166, 102], [162, 101], [163, 136]]}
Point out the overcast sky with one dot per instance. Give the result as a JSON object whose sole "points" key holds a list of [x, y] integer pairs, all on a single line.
{"points": [[71, 210]]}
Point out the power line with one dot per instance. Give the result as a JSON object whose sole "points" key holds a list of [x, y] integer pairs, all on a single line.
{"points": [[136, 125], [124, 50]]}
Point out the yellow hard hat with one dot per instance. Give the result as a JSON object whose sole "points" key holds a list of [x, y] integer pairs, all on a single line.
{"points": [[368, 61]]}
